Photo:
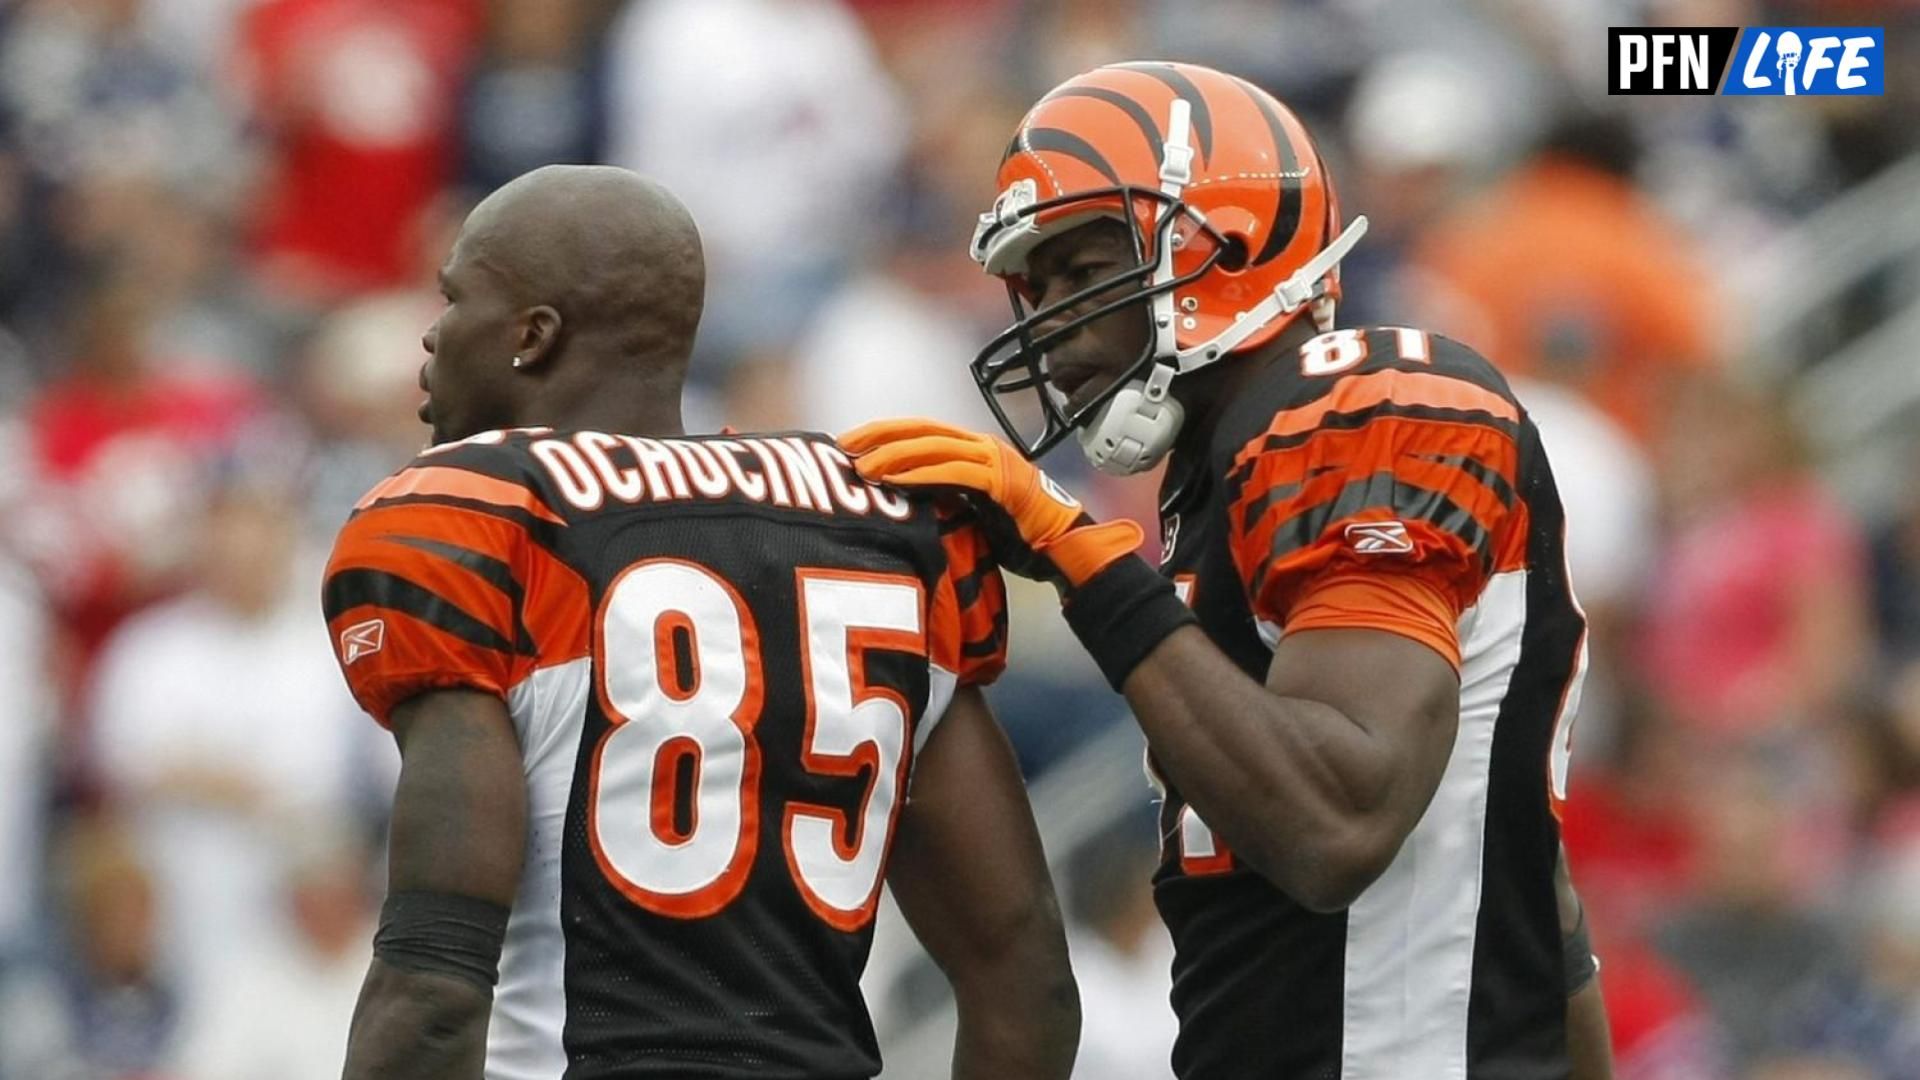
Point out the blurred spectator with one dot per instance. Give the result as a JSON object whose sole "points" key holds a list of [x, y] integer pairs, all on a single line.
{"points": [[103, 1008], [1062, 38], [114, 447], [533, 98], [221, 725], [1660, 1029], [1051, 701], [101, 100], [1122, 957], [1423, 128], [97, 113], [1565, 272], [1887, 756], [1625, 826], [179, 246], [1867, 1025], [1304, 50], [888, 344], [898, 335], [1896, 570], [283, 1015], [775, 123], [200, 32], [1757, 615], [1745, 940], [359, 389], [358, 99]]}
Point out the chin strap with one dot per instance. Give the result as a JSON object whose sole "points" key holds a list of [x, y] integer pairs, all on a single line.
{"points": [[1306, 285], [1176, 169], [1136, 427]]}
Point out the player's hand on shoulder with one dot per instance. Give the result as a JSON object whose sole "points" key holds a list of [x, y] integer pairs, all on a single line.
{"points": [[1036, 528]]}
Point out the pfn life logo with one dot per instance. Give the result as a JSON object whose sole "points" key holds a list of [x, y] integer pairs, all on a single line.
{"points": [[1785, 60], [1808, 60]]}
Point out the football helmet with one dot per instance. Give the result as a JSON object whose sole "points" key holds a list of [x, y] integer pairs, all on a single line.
{"points": [[1236, 232]]}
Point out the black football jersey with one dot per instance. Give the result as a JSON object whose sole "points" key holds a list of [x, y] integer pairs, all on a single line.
{"points": [[720, 655], [1378, 453]]}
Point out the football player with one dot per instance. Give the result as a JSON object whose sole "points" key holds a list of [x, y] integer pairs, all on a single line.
{"points": [[1357, 674], [670, 707]]}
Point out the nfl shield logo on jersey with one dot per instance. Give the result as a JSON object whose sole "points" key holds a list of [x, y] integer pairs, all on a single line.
{"points": [[362, 639], [1379, 538]]}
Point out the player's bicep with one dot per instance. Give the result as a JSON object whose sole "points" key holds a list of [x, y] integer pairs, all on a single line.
{"points": [[967, 867], [1410, 719], [460, 808]]}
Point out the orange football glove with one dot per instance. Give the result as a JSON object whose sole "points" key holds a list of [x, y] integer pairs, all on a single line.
{"points": [[1039, 530]]}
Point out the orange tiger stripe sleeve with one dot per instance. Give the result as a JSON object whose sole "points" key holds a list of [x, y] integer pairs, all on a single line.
{"points": [[1386, 503], [425, 593], [969, 616]]}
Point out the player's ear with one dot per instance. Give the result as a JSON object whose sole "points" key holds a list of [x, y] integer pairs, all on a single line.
{"points": [[538, 334]]}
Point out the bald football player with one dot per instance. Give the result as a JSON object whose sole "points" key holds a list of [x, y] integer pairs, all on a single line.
{"points": [[670, 707]]}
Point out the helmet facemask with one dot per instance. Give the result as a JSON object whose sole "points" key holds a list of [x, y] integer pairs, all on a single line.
{"points": [[1014, 363]]}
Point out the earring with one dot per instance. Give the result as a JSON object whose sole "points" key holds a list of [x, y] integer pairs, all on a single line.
{"points": [[519, 361]]}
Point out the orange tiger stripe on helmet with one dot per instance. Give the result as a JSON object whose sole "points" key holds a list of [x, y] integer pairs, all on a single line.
{"points": [[1256, 176]]}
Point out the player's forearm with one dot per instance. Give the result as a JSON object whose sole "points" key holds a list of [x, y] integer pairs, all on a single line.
{"points": [[1025, 1025], [1019, 1006], [1296, 788], [413, 1026], [1589, 1044], [1589, 1041]]}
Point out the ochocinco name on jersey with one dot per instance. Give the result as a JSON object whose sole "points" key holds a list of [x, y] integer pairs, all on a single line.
{"points": [[590, 467]]}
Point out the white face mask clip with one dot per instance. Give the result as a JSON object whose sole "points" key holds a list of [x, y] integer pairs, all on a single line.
{"points": [[1136, 427]]}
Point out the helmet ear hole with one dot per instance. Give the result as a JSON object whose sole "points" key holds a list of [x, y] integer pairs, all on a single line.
{"points": [[1233, 254]]}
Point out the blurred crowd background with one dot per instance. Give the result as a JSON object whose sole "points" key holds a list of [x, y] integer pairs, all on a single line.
{"points": [[219, 222]]}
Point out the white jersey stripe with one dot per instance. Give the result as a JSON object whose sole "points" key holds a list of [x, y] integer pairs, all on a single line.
{"points": [[941, 685], [530, 1003], [1560, 757], [1410, 936]]}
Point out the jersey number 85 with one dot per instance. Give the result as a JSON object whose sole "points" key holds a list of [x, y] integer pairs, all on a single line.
{"points": [[665, 719]]}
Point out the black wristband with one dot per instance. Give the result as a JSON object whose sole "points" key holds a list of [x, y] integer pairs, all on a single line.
{"points": [[1576, 953], [442, 933], [1121, 613]]}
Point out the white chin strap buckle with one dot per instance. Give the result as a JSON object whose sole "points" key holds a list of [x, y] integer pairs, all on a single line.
{"points": [[1136, 427]]}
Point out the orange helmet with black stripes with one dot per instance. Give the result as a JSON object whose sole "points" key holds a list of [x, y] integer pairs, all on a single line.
{"points": [[1229, 204]]}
